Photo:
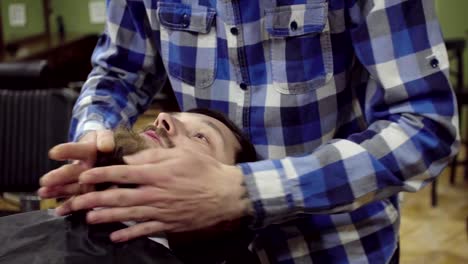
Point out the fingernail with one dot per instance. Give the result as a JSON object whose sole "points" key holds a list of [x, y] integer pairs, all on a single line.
{"points": [[129, 159], [116, 237], [42, 181], [60, 211], [52, 152], [82, 178], [91, 217], [105, 141], [104, 145], [42, 192]]}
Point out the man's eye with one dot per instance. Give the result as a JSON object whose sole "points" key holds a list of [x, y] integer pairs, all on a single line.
{"points": [[200, 136]]}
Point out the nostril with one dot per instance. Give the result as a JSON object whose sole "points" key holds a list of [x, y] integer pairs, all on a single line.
{"points": [[166, 125]]}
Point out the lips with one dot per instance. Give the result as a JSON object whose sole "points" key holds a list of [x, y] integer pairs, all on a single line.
{"points": [[152, 134], [159, 135]]}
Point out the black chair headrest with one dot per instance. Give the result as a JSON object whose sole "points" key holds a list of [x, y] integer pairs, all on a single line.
{"points": [[24, 75]]}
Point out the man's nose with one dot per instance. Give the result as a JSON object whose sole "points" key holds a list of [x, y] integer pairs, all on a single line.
{"points": [[165, 120]]}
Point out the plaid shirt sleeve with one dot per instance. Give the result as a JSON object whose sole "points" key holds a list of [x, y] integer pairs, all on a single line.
{"points": [[127, 72], [411, 115]]}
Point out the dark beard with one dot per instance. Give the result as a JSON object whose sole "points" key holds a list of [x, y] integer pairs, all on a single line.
{"points": [[127, 142]]}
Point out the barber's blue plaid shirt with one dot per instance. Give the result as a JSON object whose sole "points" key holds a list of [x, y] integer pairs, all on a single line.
{"points": [[348, 102]]}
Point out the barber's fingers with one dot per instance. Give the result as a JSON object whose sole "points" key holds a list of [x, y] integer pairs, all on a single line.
{"points": [[58, 191], [153, 155], [105, 140], [139, 230], [122, 214], [120, 197], [64, 190], [148, 174], [66, 207], [86, 148], [73, 151], [66, 174]]}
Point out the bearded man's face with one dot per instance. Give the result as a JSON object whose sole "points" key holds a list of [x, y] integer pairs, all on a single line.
{"points": [[197, 132], [128, 142]]}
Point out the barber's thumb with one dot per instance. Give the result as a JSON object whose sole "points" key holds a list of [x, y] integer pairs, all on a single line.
{"points": [[105, 140], [88, 137]]}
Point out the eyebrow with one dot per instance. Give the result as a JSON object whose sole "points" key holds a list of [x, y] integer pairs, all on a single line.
{"points": [[208, 123]]}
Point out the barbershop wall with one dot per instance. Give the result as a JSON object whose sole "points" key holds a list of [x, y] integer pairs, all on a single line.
{"points": [[454, 21], [452, 15], [35, 23], [75, 15]]}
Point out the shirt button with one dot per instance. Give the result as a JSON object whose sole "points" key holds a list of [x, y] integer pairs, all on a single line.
{"points": [[243, 86], [434, 63], [234, 31], [185, 20], [293, 26]]}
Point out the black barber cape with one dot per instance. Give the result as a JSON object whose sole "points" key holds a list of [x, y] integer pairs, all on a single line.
{"points": [[40, 237]]}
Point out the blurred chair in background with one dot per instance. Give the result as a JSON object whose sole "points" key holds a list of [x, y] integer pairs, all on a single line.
{"points": [[455, 48], [34, 116]]}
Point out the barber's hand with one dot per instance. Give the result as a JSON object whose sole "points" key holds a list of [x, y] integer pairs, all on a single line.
{"points": [[179, 190], [63, 182]]}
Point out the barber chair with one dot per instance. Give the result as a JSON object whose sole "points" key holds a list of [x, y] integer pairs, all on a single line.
{"points": [[34, 116], [455, 48]]}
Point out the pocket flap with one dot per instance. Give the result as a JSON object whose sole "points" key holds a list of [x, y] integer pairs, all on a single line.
{"points": [[296, 20], [184, 17]]}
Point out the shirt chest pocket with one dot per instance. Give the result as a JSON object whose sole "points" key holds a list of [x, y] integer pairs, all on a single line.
{"points": [[300, 47], [188, 42]]}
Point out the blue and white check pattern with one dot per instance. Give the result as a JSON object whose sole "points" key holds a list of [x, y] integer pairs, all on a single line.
{"points": [[348, 103]]}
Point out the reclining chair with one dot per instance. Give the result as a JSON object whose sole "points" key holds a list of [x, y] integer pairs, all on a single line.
{"points": [[33, 118]]}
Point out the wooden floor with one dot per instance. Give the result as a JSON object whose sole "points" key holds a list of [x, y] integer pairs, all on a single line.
{"points": [[428, 235], [436, 235]]}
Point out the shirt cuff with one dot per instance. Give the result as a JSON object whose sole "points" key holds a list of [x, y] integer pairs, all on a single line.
{"points": [[270, 203]]}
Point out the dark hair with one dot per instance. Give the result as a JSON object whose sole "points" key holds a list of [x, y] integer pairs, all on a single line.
{"points": [[247, 152]]}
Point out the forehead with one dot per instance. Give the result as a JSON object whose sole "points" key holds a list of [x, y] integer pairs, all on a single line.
{"points": [[192, 117], [200, 119]]}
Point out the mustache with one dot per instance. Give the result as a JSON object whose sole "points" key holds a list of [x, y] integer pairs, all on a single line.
{"points": [[162, 134]]}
